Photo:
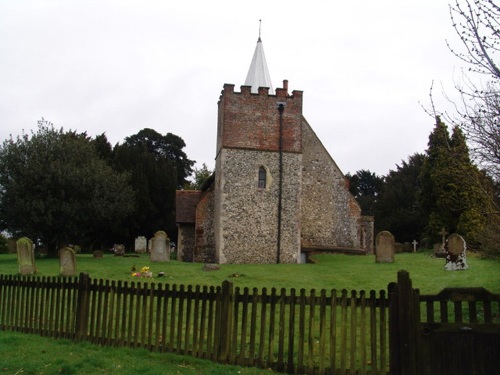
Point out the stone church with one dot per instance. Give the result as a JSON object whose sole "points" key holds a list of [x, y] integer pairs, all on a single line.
{"points": [[276, 195]]}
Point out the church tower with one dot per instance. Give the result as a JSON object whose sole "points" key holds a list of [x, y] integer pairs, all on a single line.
{"points": [[258, 170], [277, 195]]}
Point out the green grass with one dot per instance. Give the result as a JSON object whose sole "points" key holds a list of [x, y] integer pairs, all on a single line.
{"points": [[30, 354], [331, 272], [48, 356]]}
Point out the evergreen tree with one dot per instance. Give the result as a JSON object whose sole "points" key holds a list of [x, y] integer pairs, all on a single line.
{"points": [[166, 147], [397, 208], [56, 190], [365, 186], [452, 188], [154, 181]]}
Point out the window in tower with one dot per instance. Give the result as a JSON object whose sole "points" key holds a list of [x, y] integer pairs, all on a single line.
{"points": [[262, 178]]}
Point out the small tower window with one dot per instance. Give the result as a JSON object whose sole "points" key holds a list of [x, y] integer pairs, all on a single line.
{"points": [[262, 178]]}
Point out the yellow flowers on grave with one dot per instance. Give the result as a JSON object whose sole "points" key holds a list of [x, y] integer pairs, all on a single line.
{"points": [[145, 272]]}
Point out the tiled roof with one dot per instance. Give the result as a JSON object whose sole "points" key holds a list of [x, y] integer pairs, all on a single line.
{"points": [[185, 205]]}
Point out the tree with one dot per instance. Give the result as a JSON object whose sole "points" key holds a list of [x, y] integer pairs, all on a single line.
{"points": [[167, 147], [477, 23], [454, 192], [397, 208], [154, 181], [365, 186], [201, 175], [55, 189]]}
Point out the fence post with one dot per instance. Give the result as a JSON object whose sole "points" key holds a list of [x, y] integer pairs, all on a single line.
{"points": [[225, 320], [82, 306], [394, 358], [407, 325]]}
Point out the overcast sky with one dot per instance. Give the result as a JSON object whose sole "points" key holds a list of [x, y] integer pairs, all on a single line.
{"points": [[121, 66]]}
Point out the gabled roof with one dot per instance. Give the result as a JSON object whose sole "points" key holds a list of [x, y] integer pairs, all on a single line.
{"points": [[258, 74]]}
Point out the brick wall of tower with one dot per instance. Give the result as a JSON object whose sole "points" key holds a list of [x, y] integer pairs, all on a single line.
{"points": [[251, 121]]}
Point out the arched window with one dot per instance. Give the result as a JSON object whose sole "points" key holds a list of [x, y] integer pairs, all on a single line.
{"points": [[262, 178]]}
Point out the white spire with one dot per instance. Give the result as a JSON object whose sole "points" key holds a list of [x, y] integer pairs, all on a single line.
{"points": [[258, 74]]}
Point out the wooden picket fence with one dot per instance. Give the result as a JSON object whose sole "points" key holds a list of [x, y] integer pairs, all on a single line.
{"points": [[400, 332], [294, 332]]}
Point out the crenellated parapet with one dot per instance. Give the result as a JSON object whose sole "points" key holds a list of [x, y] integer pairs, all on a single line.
{"points": [[252, 121]]}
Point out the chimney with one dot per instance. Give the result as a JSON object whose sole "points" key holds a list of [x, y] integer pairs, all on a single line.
{"points": [[285, 86]]}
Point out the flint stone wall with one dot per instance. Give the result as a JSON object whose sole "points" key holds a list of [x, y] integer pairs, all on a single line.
{"points": [[246, 230], [330, 214]]}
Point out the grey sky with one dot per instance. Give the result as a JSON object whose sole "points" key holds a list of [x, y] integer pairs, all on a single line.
{"points": [[120, 66]]}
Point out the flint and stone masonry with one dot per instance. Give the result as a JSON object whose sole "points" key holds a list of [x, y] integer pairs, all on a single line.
{"points": [[264, 154]]}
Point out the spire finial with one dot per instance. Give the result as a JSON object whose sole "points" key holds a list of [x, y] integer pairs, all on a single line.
{"points": [[260, 24]]}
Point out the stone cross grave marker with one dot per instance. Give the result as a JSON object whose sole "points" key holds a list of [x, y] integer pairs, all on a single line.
{"points": [[384, 247], [141, 245], [443, 234], [160, 251], [439, 248], [26, 256], [455, 255], [414, 243], [67, 262]]}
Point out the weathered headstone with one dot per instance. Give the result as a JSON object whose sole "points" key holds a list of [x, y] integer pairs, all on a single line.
{"points": [[384, 247], [440, 251], [407, 247], [98, 254], [26, 256], [118, 249], [211, 267], [141, 245], [455, 253], [67, 262], [398, 247], [160, 250]]}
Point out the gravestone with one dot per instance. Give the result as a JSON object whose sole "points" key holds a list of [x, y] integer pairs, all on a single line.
{"points": [[414, 243], [407, 247], [439, 249], [98, 254], [455, 253], [160, 250], [67, 262], [398, 247], [26, 256], [141, 245], [384, 247], [118, 249]]}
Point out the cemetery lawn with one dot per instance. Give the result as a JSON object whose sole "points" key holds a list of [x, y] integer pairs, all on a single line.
{"points": [[25, 354], [351, 272]]}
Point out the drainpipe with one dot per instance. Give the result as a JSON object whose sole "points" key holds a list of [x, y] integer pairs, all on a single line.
{"points": [[281, 108]]}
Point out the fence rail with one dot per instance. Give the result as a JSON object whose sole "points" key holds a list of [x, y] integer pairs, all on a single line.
{"points": [[299, 332]]}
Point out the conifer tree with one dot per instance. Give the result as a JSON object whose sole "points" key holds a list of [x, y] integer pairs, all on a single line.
{"points": [[452, 188]]}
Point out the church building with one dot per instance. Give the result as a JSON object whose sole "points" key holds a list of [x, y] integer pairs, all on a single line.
{"points": [[276, 194]]}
